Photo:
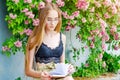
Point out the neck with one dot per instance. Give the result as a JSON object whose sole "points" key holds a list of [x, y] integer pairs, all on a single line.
{"points": [[50, 33]]}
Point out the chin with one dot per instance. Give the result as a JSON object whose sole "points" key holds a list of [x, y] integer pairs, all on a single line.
{"points": [[52, 29]]}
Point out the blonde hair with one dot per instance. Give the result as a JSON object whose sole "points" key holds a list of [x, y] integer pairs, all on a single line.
{"points": [[36, 38]]}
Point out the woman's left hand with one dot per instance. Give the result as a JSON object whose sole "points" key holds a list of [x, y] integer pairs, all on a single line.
{"points": [[71, 69]]}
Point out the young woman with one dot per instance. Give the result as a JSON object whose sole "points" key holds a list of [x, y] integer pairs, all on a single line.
{"points": [[46, 44]]}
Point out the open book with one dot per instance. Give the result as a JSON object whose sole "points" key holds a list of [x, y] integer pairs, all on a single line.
{"points": [[61, 70]]}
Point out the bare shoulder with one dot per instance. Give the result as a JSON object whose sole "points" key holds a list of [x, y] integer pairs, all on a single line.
{"points": [[63, 37]]}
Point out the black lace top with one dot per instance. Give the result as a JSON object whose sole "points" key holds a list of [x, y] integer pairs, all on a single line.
{"points": [[46, 55]]}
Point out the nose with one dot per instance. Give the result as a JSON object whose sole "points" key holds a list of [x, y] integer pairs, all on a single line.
{"points": [[52, 22]]}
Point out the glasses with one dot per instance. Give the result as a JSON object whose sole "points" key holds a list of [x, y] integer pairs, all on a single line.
{"points": [[52, 19]]}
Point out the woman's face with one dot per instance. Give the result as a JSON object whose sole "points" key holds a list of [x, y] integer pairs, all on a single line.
{"points": [[52, 20]]}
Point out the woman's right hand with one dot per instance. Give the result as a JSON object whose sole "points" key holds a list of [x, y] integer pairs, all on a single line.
{"points": [[45, 76]]}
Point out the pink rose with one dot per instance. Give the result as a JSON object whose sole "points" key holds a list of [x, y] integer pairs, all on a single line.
{"points": [[65, 15], [103, 46], [18, 44], [82, 4], [92, 45], [116, 36], [68, 28], [113, 29], [97, 4], [41, 5], [92, 9], [5, 48], [60, 3], [83, 20], [106, 15], [116, 47], [27, 1], [26, 22], [107, 2], [100, 55], [25, 10], [76, 13], [86, 65], [35, 22], [13, 16], [28, 31], [71, 17]]}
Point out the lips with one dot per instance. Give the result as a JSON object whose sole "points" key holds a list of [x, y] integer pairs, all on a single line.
{"points": [[51, 26]]}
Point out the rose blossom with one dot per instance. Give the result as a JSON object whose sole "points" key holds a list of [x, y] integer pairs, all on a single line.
{"points": [[35, 22], [76, 13], [113, 29], [13, 16], [26, 22], [83, 20], [27, 1], [106, 15], [28, 31], [107, 37], [92, 9], [65, 15], [5, 48], [92, 45], [25, 10], [97, 4], [103, 46], [107, 3], [103, 24], [68, 27], [18, 43], [41, 5], [86, 65], [82, 4], [112, 9], [100, 55], [71, 17], [60, 3], [116, 36], [116, 47]]}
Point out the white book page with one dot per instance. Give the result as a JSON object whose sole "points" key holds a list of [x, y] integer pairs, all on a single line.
{"points": [[60, 70]]}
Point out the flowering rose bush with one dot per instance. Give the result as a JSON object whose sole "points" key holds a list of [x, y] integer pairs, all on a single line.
{"points": [[98, 22]]}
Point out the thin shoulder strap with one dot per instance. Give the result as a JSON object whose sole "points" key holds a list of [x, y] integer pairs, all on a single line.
{"points": [[60, 36]]}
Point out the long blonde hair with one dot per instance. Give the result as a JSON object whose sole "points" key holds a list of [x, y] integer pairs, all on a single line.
{"points": [[36, 38]]}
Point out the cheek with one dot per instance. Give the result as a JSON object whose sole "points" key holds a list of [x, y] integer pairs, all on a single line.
{"points": [[56, 24], [47, 25]]}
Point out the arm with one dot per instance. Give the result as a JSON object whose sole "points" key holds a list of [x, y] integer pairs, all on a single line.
{"points": [[62, 59], [29, 71]]}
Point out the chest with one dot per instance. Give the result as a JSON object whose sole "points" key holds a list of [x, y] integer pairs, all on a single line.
{"points": [[51, 42]]}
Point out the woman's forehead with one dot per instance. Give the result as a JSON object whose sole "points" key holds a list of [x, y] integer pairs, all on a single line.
{"points": [[53, 13]]}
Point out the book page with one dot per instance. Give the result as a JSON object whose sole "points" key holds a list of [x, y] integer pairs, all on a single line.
{"points": [[61, 69]]}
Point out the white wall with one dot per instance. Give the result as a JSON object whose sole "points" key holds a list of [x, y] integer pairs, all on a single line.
{"points": [[76, 43]]}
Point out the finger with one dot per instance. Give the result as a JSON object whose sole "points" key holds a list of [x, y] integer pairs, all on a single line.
{"points": [[47, 74], [43, 74]]}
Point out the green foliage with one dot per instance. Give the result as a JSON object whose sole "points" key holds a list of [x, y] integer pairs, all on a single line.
{"points": [[19, 78], [94, 65], [112, 61]]}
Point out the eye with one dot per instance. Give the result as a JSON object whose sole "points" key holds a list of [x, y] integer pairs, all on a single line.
{"points": [[49, 19], [52, 19], [56, 19]]}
